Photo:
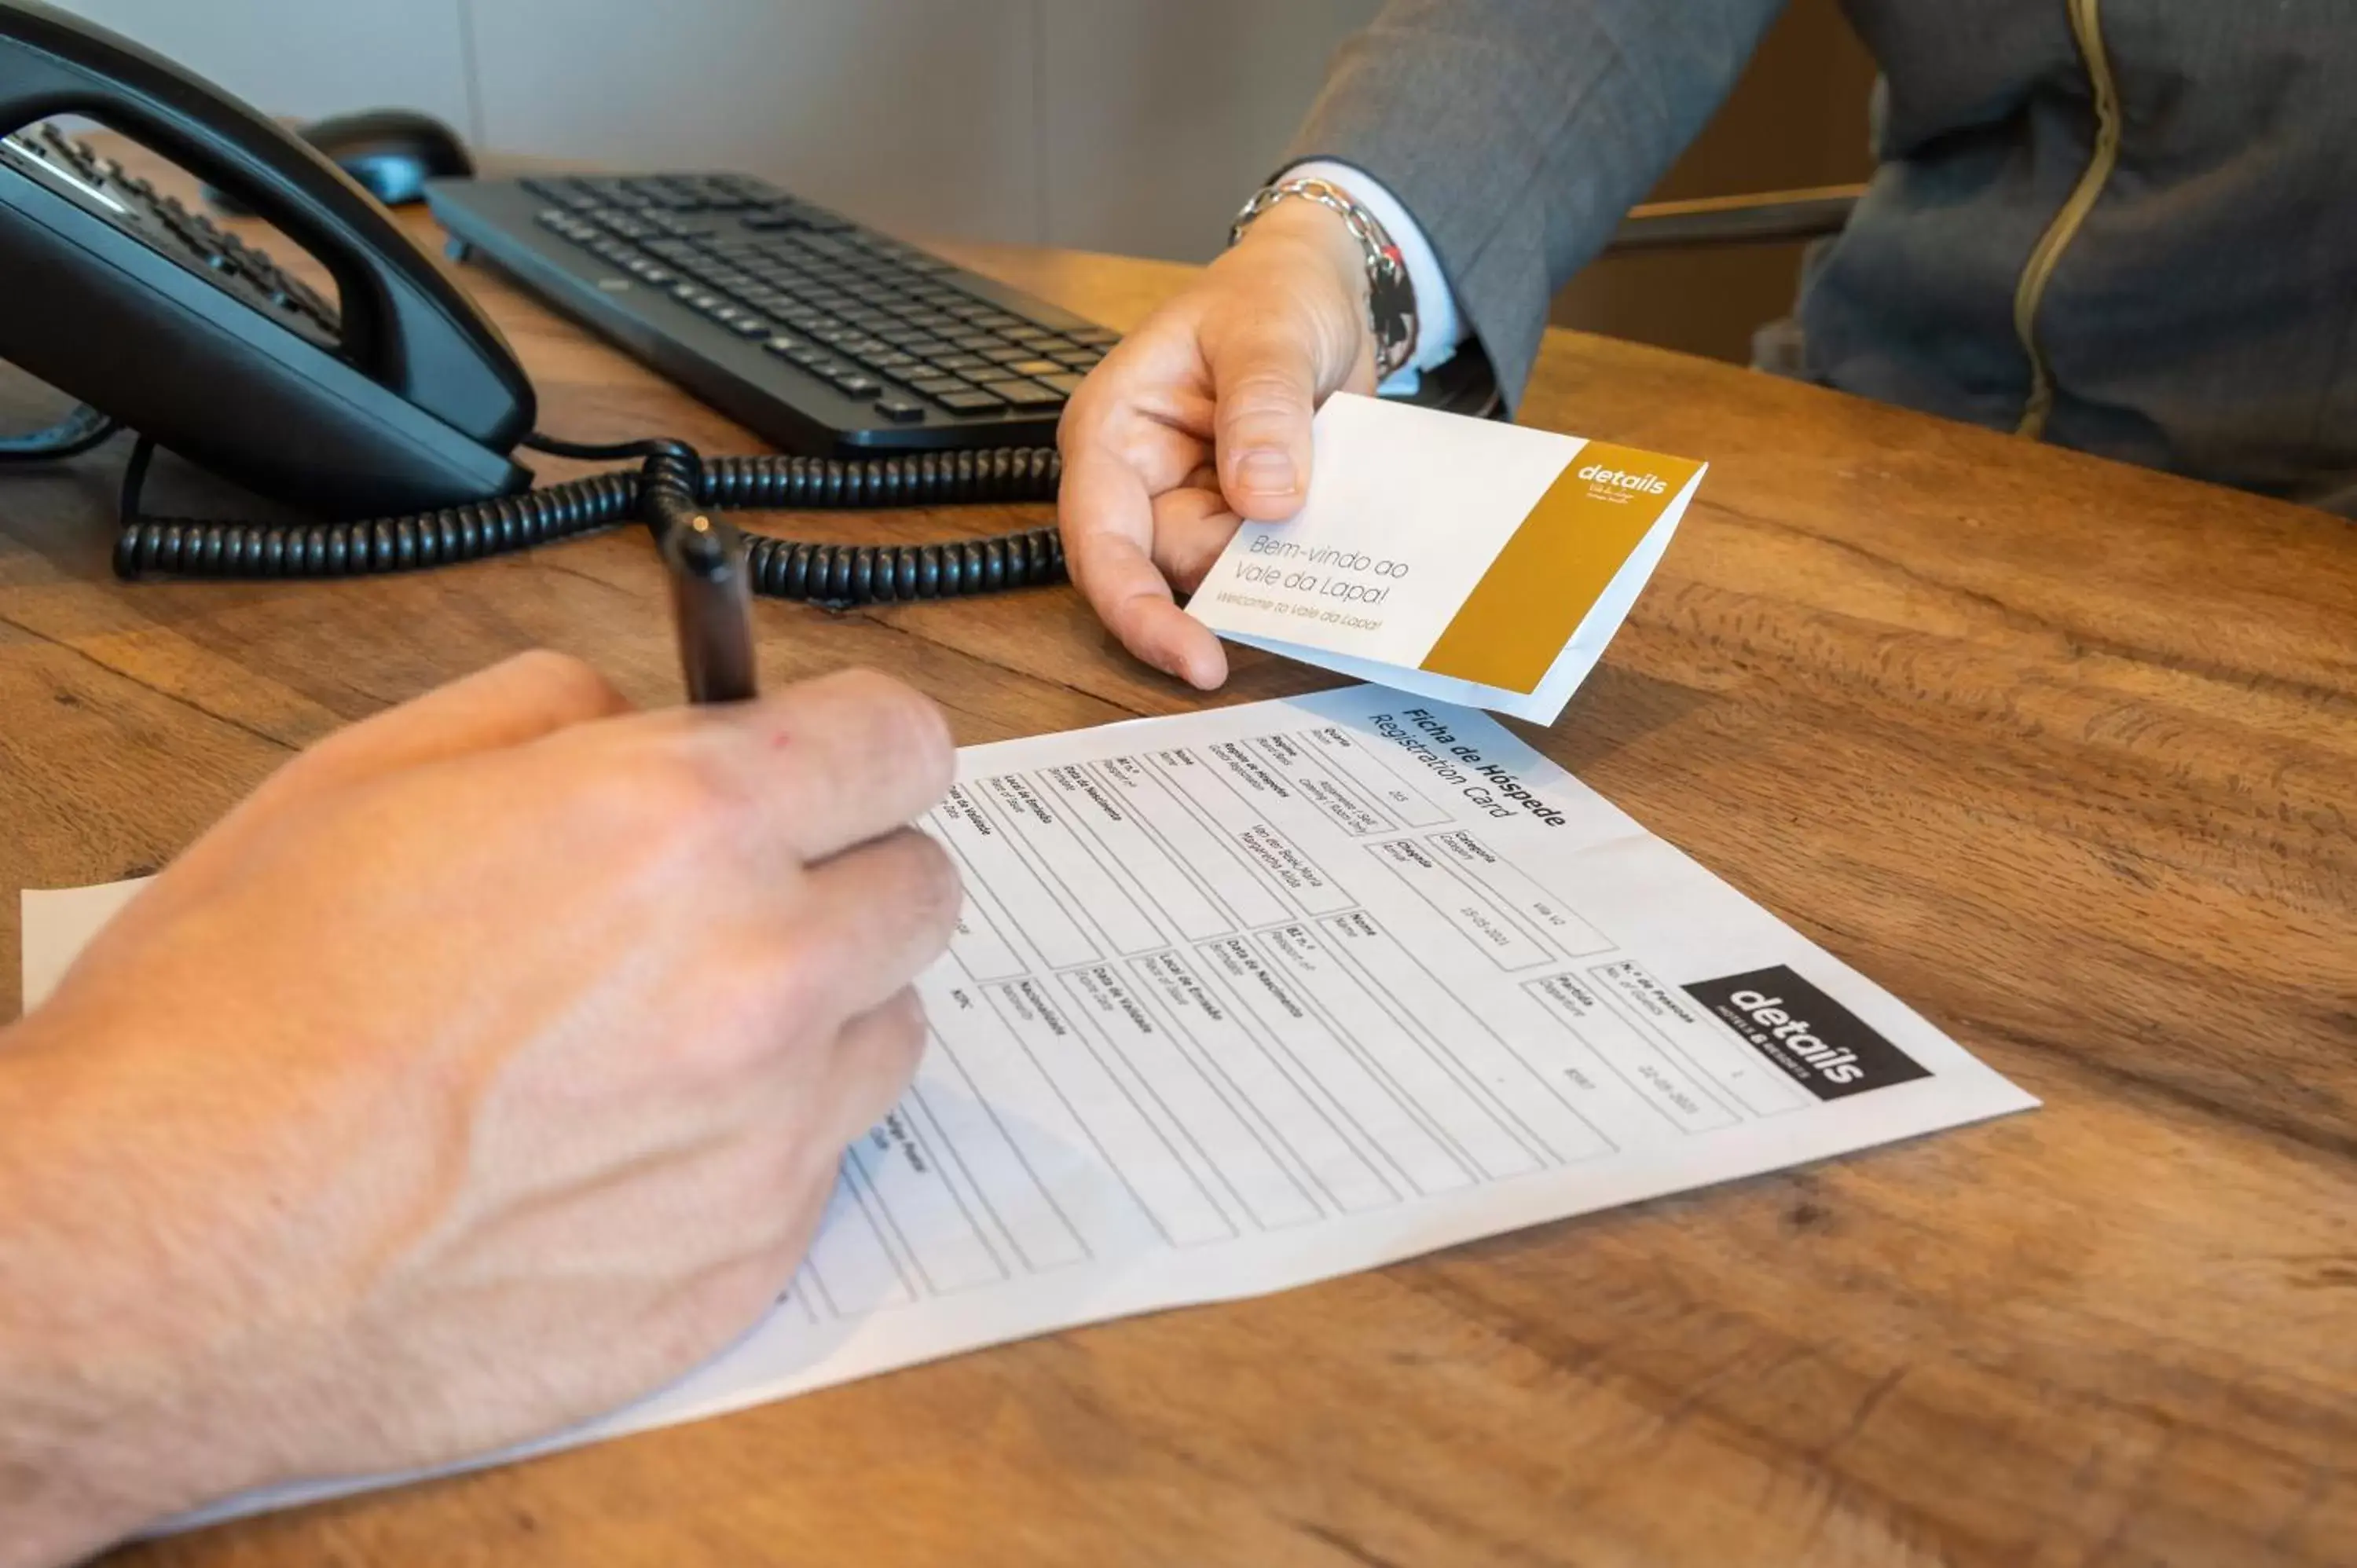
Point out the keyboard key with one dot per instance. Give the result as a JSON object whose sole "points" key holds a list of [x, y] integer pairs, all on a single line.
{"points": [[899, 410], [961, 362], [977, 342], [937, 386], [1093, 337], [752, 326], [1080, 359], [856, 383], [970, 401], [1064, 382], [892, 364], [1003, 355], [1024, 394], [1031, 367], [809, 356], [785, 343]]}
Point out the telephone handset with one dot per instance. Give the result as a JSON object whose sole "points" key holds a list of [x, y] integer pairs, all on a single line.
{"points": [[402, 397], [394, 409]]}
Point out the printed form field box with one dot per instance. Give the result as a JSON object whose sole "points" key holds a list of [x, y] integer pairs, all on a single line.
{"points": [[977, 943], [1312, 781], [1465, 1123], [1397, 1135], [1070, 867], [1203, 1128], [854, 1271], [1380, 782], [1124, 1136], [966, 827], [1632, 1057], [915, 1202], [1225, 1045], [1548, 913], [1469, 912], [1238, 889], [1700, 1041], [1247, 826], [1108, 818], [1013, 1138], [1517, 1091]]}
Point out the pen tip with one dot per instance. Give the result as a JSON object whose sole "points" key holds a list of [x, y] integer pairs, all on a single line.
{"points": [[700, 545]]}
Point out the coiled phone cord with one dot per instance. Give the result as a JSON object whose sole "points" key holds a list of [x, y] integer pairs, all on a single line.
{"points": [[834, 575]]}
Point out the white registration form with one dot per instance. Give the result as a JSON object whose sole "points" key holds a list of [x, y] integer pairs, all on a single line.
{"points": [[1248, 998]]}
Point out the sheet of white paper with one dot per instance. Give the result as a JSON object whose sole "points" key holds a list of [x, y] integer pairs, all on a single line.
{"points": [[58, 924], [1248, 998]]}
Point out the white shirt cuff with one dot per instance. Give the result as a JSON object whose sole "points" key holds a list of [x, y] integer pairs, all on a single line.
{"points": [[1440, 328]]}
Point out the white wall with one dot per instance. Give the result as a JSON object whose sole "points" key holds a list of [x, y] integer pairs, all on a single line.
{"points": [[311, 58], [1133, 126]]}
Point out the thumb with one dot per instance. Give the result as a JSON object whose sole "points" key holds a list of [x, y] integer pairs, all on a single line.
{"points": [[1265, 383]]}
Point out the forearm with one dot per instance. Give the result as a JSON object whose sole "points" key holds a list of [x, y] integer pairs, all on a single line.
{"points": [[1519, 132]]}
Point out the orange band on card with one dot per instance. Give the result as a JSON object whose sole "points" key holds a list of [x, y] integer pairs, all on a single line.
{"points": [[1514, 624]]}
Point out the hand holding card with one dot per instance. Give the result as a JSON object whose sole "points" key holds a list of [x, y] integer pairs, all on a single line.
{"points": [[1461, 560]]}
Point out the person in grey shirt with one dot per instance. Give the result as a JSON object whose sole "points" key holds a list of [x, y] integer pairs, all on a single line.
{"points": [[2124, 226]]}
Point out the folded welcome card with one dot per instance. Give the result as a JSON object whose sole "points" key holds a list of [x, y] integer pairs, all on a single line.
{"points": [[1458, 559]]}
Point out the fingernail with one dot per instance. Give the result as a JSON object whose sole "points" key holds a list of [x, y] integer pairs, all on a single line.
{"points": [[1265, 473]]}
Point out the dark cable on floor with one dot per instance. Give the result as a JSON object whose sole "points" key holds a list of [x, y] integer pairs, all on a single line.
{"points": [[831, 574]]}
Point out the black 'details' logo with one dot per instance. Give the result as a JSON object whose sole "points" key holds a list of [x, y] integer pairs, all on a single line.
{"points": [[1812, 1037]]}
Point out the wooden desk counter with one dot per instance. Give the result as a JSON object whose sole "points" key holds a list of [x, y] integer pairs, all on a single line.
{"points": [[2063, 753]]}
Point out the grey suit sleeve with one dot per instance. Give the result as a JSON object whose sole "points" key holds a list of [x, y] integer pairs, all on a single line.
{"points": [[1519, 132]]}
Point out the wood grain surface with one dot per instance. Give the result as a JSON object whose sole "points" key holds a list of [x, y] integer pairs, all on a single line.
{"points": [[2063, 753]]}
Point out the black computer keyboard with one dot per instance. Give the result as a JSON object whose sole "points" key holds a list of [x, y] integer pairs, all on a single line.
{"points": [[816, 333]]}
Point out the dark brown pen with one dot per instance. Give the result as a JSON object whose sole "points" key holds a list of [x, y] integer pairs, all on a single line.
{"points": [[711, 606]]}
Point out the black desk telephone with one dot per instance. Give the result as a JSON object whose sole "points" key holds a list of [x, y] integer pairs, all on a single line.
{"points": [[398, 403], [395, 409]]}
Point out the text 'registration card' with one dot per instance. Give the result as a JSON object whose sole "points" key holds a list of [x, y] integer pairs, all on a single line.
{"points": [[1458, 559]]}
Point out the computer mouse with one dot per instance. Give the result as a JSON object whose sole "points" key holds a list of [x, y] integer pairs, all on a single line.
{"points": [[391, 152]]}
